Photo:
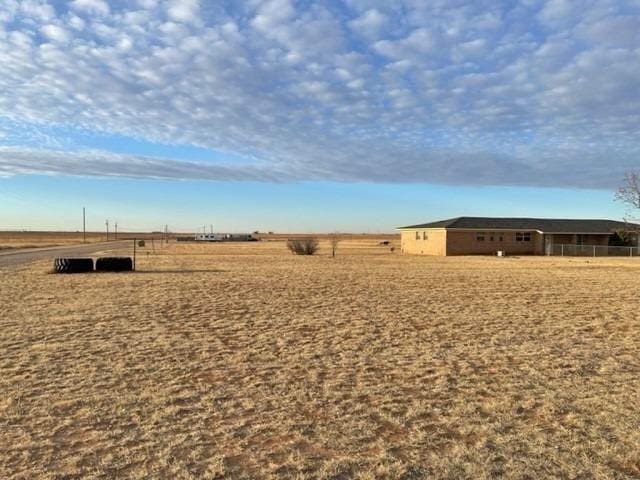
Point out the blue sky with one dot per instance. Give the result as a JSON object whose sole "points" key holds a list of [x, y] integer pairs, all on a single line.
{"points": [[344, 115]]}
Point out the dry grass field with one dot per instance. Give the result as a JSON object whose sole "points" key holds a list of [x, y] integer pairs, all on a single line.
{"points": [[11, 240], [27, 239], [243, 361]]}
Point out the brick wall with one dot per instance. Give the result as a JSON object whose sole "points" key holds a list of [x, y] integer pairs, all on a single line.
{"points": [[467, 243]]}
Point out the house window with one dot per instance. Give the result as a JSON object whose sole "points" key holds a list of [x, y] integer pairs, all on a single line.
{"points": [[480, 236], [500, 238], [417, 235], [492, 238], [425, 236], [523, 236]]}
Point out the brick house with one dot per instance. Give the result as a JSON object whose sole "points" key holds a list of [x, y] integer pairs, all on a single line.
{"points": [[485, 235]]}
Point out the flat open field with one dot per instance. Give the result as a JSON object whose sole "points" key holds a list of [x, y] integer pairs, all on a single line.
{"points": [[26, 239], [11, 240], [243, 361]]}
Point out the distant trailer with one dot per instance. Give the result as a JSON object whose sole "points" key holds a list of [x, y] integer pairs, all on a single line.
{"points": [[210, 237], [225, 237], [240, 237]]}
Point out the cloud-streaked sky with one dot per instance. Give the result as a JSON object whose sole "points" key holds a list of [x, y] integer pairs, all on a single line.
{"points": [[462, 93]]}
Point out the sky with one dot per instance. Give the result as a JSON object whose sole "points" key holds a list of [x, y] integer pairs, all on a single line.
{"points": [[288, 115]]}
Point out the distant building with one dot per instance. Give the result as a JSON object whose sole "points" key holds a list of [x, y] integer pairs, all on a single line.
{"points": [[225, 237], [533, 236], [209, 237]]}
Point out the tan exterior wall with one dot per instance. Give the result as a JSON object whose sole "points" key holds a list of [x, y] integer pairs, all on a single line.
{"points": [[467, 243], [434, 244]]}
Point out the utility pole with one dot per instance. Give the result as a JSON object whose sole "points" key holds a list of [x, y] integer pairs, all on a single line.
{"points": [[107, 224], [84, 227], [212, 229], [116, 230], [166, 234]]}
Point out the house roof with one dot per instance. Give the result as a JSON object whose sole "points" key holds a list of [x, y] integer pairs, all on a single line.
{"points": [[546, 225]]}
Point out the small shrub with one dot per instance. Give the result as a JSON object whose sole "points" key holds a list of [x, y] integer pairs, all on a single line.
{"points": [[334, 240], [303, 246]]}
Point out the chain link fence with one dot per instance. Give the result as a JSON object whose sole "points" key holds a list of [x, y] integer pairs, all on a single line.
{"points": [[563, 250]]}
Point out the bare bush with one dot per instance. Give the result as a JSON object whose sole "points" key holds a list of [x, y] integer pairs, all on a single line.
{"points": [[629, 193], [303, 246], [334, 240]]}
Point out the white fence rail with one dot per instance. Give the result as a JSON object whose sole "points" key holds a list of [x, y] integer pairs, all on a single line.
{"points": [[565, 250]]}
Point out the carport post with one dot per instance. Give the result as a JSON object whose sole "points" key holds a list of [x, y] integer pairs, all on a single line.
{"points": [[594, 250]]}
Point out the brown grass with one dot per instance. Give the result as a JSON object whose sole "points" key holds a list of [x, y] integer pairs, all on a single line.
{"points": [[12, 240], [244, 361]]}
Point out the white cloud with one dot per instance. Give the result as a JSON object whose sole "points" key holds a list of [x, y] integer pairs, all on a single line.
{"points": [[99, 7], [184, 10], [616, 32], [272, 14], [558, 11], [369, 24], [105, 164], [55, 33], [37, 10], [148, 4], [419, 42], [458, 92], [76, 22], [8, 10], [469, 50]]}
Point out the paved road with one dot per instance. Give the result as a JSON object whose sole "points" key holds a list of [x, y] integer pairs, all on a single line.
{"points": [[15, 257]]}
